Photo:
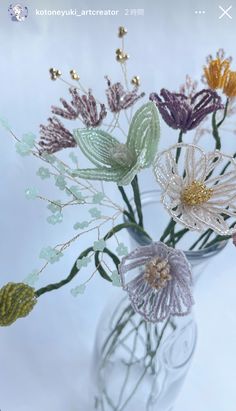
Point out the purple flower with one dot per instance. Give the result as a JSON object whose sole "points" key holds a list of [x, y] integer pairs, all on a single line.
{"points": [[118, 99], [185, 113], [55, 137], [84, 106], [158, 280]]}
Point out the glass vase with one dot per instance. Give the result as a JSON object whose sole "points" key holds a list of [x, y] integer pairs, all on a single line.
{"points": [[139, 365]]}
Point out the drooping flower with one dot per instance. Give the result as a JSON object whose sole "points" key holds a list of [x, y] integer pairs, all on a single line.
{"points": [[16, 301], [119, 99], [120, 162], [55, 137], [230, 84], [195, 193], [158, 281], [184, 113], [84, 107], [217, 69]]}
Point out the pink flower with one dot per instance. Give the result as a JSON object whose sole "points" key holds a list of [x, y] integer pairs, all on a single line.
{"points": [[55, 137], [118, 99], [84, 107]]}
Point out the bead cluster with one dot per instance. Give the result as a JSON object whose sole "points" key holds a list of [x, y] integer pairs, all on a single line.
{"points": [[74, 75], [54, 73], [16, 301], [135, 81], [121, 56], [122, 31], [196, 194], [157, 273]]}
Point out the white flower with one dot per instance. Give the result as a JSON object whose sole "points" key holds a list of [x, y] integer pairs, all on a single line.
{"points": [[195, 193]]}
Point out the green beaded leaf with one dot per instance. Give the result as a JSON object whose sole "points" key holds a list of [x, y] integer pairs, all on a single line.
{"points": [[130, 174], [144, 133], [103, 173], [96, 145]]}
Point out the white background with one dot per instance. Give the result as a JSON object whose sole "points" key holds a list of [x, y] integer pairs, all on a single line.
{"points": [[45, 359]]}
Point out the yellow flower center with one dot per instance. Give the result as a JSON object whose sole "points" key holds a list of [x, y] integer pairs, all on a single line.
{"points": [[157, 273], [196, 193]]}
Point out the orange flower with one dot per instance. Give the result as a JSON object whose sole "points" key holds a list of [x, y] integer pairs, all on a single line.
{"points": [[230, 84], [216, 73]]}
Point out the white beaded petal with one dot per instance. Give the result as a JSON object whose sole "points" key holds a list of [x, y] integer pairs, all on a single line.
{"points": [[197, 166]]}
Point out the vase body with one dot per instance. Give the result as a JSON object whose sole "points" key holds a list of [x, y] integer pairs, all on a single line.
{"points": [[139, 365]]}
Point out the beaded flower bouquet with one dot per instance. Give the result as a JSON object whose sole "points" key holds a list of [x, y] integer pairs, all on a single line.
{"points": [[145, 345]]}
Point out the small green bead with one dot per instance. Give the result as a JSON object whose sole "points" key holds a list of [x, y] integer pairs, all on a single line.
{"points": [[50, 254], [83, 262], [122, 249], [95, 213], [29, 139], [99, 245], [32, 278], [61, 168], [81, 226], [43, 173], [74, 190], [55, 206], [4, 123], [60, 182], [98, 197], [25, 146], [31, 193], [55, 218], [22, 148], [115, 279], [50, 158], [73, 158], [80, 289]]}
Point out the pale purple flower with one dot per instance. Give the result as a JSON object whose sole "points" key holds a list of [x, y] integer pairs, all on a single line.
{"points": [[55, 137], [158, 280], [234, 239], [119, 99], [84, 107], [186, 113]]}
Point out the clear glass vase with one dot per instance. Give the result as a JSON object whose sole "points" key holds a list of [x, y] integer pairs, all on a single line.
{"points": [[139, 365]]}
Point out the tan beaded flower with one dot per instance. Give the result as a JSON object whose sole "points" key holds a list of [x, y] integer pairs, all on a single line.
{"points": [[230, 84], [216, 71], [195, 191]]}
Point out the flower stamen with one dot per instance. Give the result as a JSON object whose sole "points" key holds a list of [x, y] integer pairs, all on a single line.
{"points": [[196, 193], [157, 273]]}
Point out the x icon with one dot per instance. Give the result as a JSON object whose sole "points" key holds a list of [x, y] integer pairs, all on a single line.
{"points": [[225, 12]]}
